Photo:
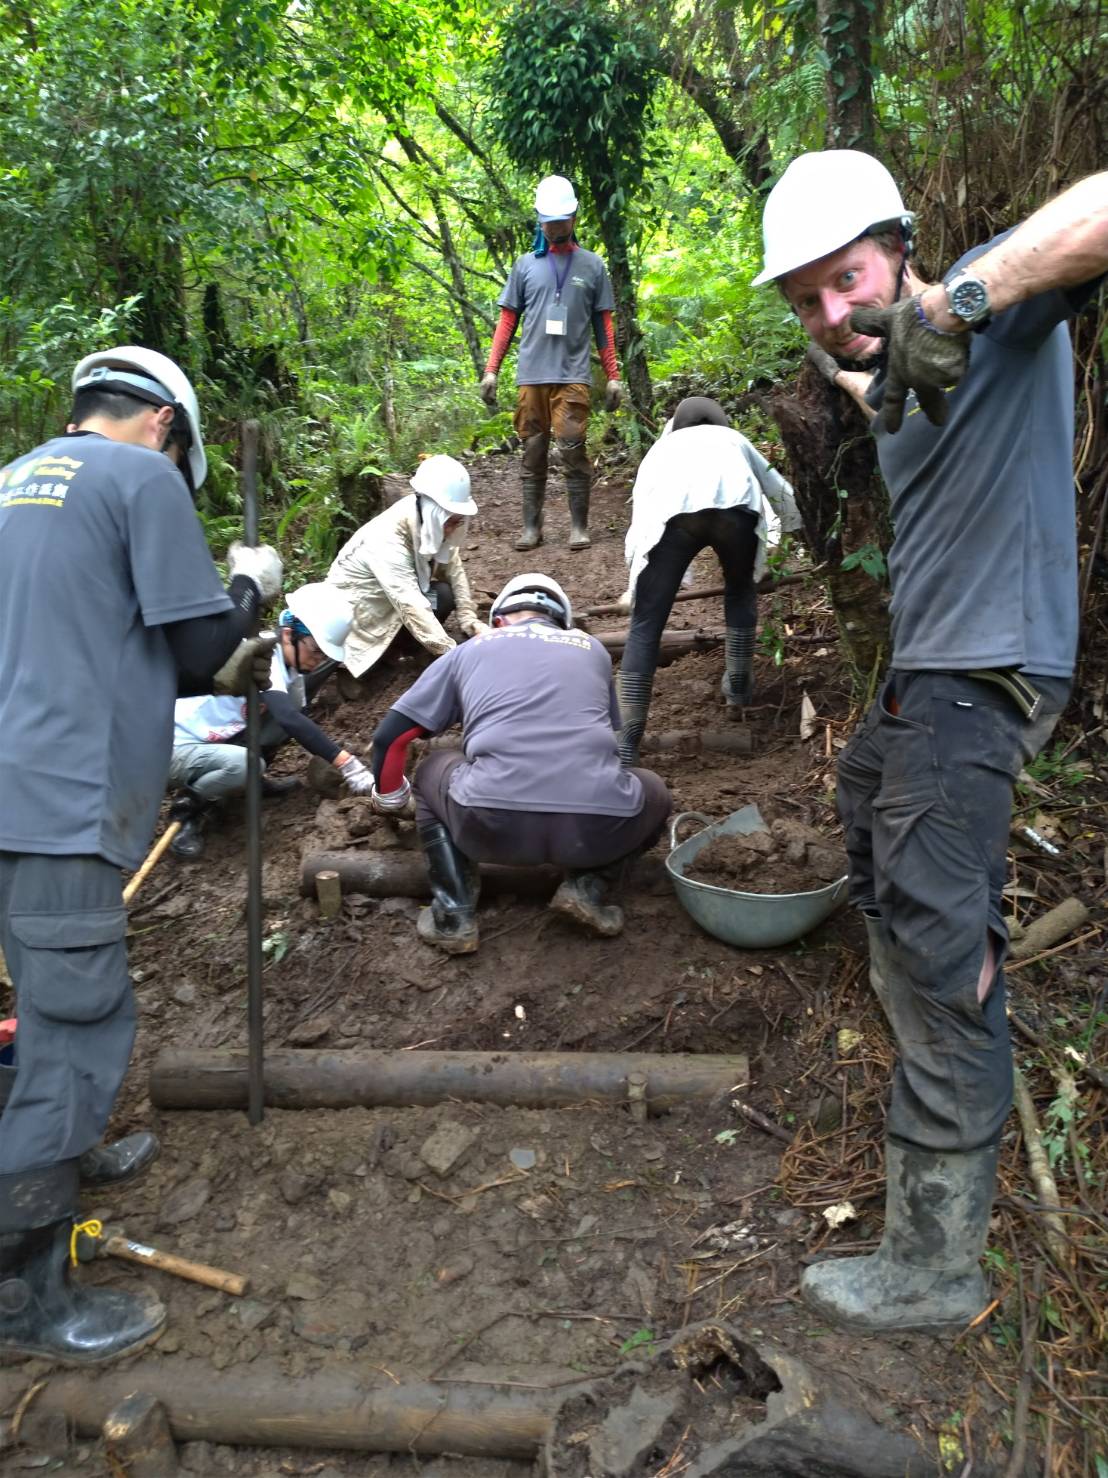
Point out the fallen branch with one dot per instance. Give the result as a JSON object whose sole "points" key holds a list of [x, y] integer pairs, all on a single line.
{"points": [[706, 592], [1042, 1178], [1049, 929], [766, 1125]]}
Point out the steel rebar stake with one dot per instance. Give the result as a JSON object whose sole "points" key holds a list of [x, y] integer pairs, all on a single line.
{"points": [[254, 1019]]}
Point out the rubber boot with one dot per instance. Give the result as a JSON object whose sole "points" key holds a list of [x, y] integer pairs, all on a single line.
{"points": [[106, 1166], [583, 897], [191, 810], [926, 1272], [633, 690], [737, 684], [451, 921], [578, 486], [42, 1312], [534, 496], [276, 787], [880, 971]]}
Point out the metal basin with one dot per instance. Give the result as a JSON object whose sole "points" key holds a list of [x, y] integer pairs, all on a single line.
{"points": [[748, 920]]}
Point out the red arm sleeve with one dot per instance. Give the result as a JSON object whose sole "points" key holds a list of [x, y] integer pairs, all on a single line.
{"points": [[604, 328], [501, 340], [390, 777]]}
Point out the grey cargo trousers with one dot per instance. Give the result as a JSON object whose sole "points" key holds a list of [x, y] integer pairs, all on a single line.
{"points": [[62, 930], [925, 794]]}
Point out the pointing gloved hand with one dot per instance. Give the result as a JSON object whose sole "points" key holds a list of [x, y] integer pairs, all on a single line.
{"points": [[248, 664], [921, 358], [394, 802], [487, 389], [260, 563], [613, 395], [359, 780]]}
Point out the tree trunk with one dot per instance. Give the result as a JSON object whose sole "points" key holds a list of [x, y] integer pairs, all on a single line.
{"points": [[844, 27], [629, 339]]}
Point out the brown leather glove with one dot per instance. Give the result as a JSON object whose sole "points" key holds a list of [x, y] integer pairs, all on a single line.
{"points": [[920, 358]]}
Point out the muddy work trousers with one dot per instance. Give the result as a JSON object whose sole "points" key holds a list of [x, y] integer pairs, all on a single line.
{"points": [[62, 930], [925, 794], [538, 838], [561, 410], [732, 534]]}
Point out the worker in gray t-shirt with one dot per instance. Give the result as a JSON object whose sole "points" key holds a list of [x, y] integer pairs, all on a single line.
{"points": [[538, 780], [563, 296], [110, 606], [969, 386]]}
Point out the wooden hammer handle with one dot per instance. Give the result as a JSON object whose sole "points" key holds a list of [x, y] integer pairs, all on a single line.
{"points": [[197, 1272], [154, 856]]}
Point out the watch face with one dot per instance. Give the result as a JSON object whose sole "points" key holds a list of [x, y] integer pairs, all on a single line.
{"points": [[968, 298]]}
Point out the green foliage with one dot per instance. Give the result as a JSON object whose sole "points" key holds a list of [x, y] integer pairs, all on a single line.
{"points": [[642, 1339], [868, 558]]}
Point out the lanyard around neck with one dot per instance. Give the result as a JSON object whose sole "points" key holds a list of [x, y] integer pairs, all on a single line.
{"points": [[559, 278]]}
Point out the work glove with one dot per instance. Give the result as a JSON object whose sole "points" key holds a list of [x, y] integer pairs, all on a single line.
{"points": [[249, 664], [260, 563], [613, 395], [479, 628], [359, 780], [394, 802], [920, 358], [487, 389], [625, 602]]}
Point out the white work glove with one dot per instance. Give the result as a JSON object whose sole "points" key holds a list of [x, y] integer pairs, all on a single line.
{"points": [[248, 664], [479, 628], [625, 602], [359, 780], [487, 389], [260, 563], [613, 396], [393, 802]]}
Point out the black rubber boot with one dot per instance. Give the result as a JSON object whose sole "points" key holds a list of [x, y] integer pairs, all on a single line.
{"points": [[578, 486], [583, 897], [534, 496], [106, 1166], [880, 967], [633, 690], [738, 655], [926, 1273], [451, 921], [42, 1312], [191, 810], [276, 786]]}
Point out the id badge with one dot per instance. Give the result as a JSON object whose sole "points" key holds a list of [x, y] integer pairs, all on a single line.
{"points": [[556, 319]]}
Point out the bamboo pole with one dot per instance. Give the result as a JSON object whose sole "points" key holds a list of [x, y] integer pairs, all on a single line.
{"points": [[153, 857], [199, 1078]]}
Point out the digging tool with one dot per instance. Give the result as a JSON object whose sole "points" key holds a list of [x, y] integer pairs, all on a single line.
{"points": [[92, 1239], [153, 857], [254, 1022]]}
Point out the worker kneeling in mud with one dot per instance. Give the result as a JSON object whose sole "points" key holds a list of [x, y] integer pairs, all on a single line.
{"points": [[403, 570], [538, 780], [701, 485], [209, 754]]}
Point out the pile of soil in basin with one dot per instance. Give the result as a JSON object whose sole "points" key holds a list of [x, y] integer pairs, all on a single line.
{"points": [[788, 858]]}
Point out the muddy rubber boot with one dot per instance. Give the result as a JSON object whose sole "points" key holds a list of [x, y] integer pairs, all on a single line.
{"points": [[276, 787], [926, 1272], [880, 965], [43, 1313], [106, 1166], [191, 810], [534, 496], [451, 921], [633, 690], [737, 685], [578, 486], [583, 897]]}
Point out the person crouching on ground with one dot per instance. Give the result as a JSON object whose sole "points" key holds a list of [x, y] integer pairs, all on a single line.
{"points": [[538, 780], [209, 755], [403, 569], [701, 485]]}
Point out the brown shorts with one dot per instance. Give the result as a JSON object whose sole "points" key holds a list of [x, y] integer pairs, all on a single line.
{"points": [[561, 409]]}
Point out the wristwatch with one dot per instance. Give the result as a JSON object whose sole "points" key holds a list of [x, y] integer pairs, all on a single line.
{"points": [[968, 299]]}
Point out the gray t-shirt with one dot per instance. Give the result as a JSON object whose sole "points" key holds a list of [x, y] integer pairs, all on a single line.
{"points": [[575, 285], [99, 548], [984, 560], [538, 712]]}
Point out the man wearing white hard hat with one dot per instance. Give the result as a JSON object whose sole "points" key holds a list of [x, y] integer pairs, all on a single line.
{"points": [[209, 755], [403, 569], [110, 606], [969, 386], [563, 295], [538, 780]]}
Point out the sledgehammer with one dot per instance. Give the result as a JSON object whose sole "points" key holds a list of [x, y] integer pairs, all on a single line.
{"points": [[91, 1239]]}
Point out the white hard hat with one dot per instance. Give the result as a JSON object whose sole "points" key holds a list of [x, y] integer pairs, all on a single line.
{"points": [[147, 375], [554, 199], [445, 482], [534, 592], [824, 202], [326, 613]]}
